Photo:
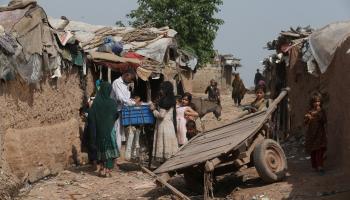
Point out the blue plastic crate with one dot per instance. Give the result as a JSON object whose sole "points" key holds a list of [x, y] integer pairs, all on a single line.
{"points": [[137, 115]]}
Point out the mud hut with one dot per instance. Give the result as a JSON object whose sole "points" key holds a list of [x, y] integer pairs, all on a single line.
{"points": [[152, 52], [39, 118], [228, 65], [47, 72], [311, 61]]}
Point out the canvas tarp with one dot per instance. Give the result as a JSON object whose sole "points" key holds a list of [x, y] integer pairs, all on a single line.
{"points": [[18, 4], [36, 49], [9, 18], [325, 41], [156, 50], [187, 59]]}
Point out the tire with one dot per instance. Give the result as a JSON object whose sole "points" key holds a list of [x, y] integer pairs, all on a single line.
{"points": [[194, 180], [270, 161]]}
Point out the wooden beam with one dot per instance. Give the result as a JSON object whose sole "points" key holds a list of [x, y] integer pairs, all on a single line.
{"points": [[174, 190], [180, 75], [211, 164], [149, 91], [109, 75], [100, 68]]}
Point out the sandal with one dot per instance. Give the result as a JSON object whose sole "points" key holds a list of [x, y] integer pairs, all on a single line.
{"points": [[102, 173], [98, 169]]}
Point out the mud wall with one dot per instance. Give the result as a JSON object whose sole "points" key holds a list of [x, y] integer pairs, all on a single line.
{"points": [[336, 82], [40, 127], [334, 86], [302, 86], [203, 76]]}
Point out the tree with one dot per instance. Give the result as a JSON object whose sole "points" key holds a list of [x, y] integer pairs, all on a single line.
{"points": [[193, 20], [119, 23]]}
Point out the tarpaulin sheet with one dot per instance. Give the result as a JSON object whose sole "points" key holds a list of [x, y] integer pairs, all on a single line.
{"points": [[9, 18], [156, 50], [325, 41]]}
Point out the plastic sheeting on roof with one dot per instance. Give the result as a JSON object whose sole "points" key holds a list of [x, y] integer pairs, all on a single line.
{"points": [[149, 42], [325, 41], [156, 50]]}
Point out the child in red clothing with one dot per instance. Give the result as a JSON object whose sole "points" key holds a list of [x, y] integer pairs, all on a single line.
{"points": [[316, 138]]}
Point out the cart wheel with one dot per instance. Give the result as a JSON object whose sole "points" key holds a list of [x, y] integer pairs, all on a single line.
{"points": [[270, 161], [194, 180]]}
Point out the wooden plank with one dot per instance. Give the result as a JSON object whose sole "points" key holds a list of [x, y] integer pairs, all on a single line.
{"points": [[231, 133], [211, 164], [236, 123], [184, 165], [217, 151], [203, 150], [233, 140], [224, 138], [229, 130], [245, 118], [177, 163], [174, 190]]}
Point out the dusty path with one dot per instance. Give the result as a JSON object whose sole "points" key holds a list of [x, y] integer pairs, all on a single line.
{"points": [[131, 183]]}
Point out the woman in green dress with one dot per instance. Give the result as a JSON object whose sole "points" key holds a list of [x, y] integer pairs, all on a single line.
{"points": [[103, 114]]}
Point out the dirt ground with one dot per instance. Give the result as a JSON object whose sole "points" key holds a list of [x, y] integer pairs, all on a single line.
{"points": [[131, 183]]}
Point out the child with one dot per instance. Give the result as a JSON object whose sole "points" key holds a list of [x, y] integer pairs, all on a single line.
{"points": [[165, 142], [183, 114], [178, 101], [316, 139], [259, 103], [133, 135], [213, 92], [191, 129]]}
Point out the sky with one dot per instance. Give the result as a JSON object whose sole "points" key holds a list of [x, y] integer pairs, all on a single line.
{"points": [[249, 24]]}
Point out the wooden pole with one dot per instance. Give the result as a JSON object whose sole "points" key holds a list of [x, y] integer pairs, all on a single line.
{"points": [[109, 75], [100, 67], [179, 74], [174, 190], [211, 164], [149, 92]]}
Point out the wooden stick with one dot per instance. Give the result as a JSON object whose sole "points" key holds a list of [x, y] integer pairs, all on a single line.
{"points": [[109, 75], [174, 190], [211, 164], [149, 91], [180, 75]]}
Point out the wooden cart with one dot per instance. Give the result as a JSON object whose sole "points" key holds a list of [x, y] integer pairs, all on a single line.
{"points": [[244, 143]]}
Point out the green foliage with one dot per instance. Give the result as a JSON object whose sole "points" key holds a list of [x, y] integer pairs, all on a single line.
{"points": [[193, 20], [119, 23]]}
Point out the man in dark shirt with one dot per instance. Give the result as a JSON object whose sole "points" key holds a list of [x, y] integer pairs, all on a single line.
{"points": [[258, 77], [213, 92]]}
